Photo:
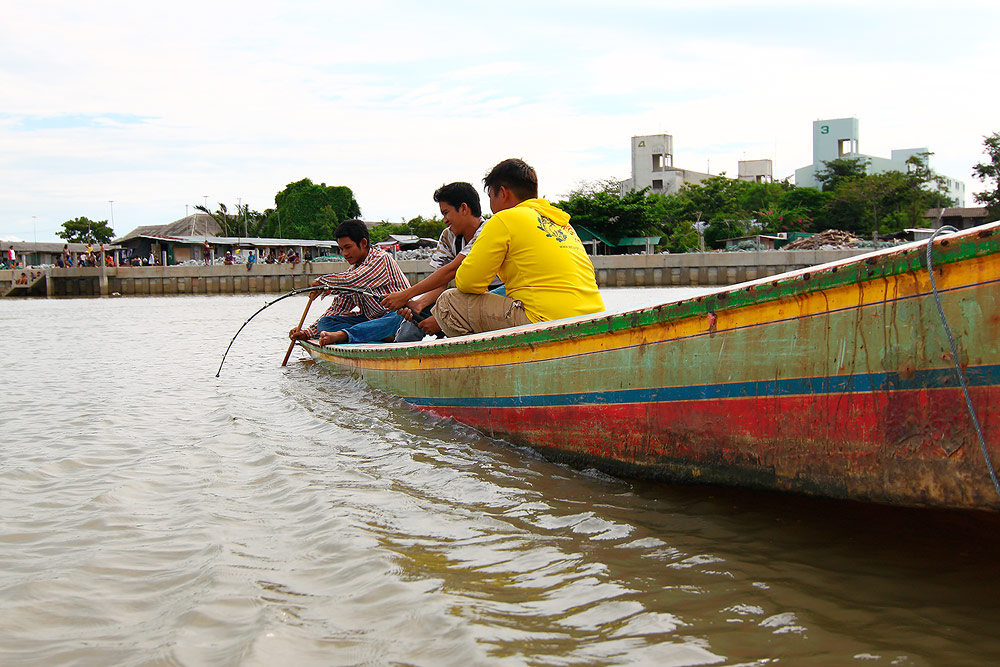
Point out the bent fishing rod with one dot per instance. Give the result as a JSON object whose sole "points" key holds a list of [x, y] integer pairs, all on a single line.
{"points": [[302, 290]]}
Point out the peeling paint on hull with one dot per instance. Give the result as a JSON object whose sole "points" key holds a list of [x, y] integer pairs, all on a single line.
{"points": [[835, 381]]}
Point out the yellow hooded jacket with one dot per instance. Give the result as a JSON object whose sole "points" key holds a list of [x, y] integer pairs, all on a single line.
{"points": [[540, 259]]}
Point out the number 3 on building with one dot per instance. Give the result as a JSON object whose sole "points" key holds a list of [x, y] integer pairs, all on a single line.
{"points": [[824, 129]]}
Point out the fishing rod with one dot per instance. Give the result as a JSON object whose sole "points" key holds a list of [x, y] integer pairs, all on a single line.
{"points": [[301, 290], [336, 288]]}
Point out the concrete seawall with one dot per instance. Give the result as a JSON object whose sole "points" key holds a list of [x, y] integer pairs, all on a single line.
{"points": [[612, 271]]}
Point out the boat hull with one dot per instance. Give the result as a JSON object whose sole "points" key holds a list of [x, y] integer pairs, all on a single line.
{"points": [[835, 381]]}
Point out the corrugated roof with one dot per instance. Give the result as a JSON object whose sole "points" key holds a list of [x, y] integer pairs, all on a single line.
{"points": [[639, 240], [55, 247], [968, 212], [202, 225], [588, 235], [239, 240], [198, 223]]}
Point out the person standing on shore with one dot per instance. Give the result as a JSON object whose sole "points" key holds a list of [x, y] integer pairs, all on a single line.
{"points": [[532, 247]]}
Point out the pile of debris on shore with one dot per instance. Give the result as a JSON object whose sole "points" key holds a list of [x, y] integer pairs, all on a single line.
{"points": [[831, 239]]}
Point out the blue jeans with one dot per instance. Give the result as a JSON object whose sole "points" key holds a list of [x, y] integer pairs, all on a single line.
{"points": [[410, 333], [360, 329]]}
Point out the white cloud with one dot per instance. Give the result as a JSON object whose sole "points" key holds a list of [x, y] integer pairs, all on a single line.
{"points": [[393, 99]]}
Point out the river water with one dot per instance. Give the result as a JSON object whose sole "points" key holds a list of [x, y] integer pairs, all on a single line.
{"points": [[151, 513]]}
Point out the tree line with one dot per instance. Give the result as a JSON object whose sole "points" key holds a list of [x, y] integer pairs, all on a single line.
{"points": [[849, 199]]}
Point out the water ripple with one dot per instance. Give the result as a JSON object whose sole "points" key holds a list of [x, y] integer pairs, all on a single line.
{"points": [[154, 514]]}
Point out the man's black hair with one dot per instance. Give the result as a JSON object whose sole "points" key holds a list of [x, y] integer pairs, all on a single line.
{"points": [[354, 230], [459, 193], [516, 176]]}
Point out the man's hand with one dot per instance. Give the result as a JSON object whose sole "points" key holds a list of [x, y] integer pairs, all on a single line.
{"points": [[395, 301], [298, 334], [429, 326], [318, 293]]}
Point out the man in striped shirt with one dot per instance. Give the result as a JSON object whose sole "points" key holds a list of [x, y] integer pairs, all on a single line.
{"points": [[373, 275]]}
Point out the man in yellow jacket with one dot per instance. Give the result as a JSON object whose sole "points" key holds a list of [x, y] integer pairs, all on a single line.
{"points": [[532, 247]]}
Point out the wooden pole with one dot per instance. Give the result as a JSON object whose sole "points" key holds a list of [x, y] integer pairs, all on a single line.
{"points": [[291, 344]]}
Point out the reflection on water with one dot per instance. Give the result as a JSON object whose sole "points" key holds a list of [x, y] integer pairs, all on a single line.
{"points": [[152, 513]]}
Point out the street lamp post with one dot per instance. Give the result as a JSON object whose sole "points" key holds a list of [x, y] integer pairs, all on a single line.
{"points": [[112, 203]]}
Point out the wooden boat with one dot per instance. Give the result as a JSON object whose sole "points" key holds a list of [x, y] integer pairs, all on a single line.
{"points": [[837, 380]]}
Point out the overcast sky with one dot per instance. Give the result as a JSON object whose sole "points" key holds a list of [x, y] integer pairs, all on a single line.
{"points": [[158, 105]]}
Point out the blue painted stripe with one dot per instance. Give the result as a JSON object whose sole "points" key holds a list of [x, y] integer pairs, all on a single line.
{"points": [[940, 378]]}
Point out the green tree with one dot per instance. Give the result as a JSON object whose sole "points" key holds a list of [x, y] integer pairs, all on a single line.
{"points": [[807, 204], [312, 211], [381, 232], [84, 230], [600, 207], [682, 237], [836, 172], [989, 173], [886, 202], [228, 222], [724, 227], [244, 222], [428, 228]]}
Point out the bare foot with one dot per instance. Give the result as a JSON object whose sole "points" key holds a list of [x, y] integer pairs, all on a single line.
{"points": [[332, 337]]}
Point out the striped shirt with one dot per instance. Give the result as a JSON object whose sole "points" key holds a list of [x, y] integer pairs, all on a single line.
{"points": [[378, 274]]}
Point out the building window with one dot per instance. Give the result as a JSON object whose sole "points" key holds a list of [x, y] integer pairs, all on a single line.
{"points": [[658, 162], [657, 184], [843, 147]]}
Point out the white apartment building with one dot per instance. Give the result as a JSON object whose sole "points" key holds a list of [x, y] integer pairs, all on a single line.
{"points": [[837, 138]]}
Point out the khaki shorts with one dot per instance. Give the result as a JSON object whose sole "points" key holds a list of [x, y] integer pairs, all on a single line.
{"points": [[459, 313]]}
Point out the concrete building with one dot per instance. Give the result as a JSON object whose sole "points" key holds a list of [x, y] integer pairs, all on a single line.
{"points": [[837, 138], [755, 171], [653, 168]]}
